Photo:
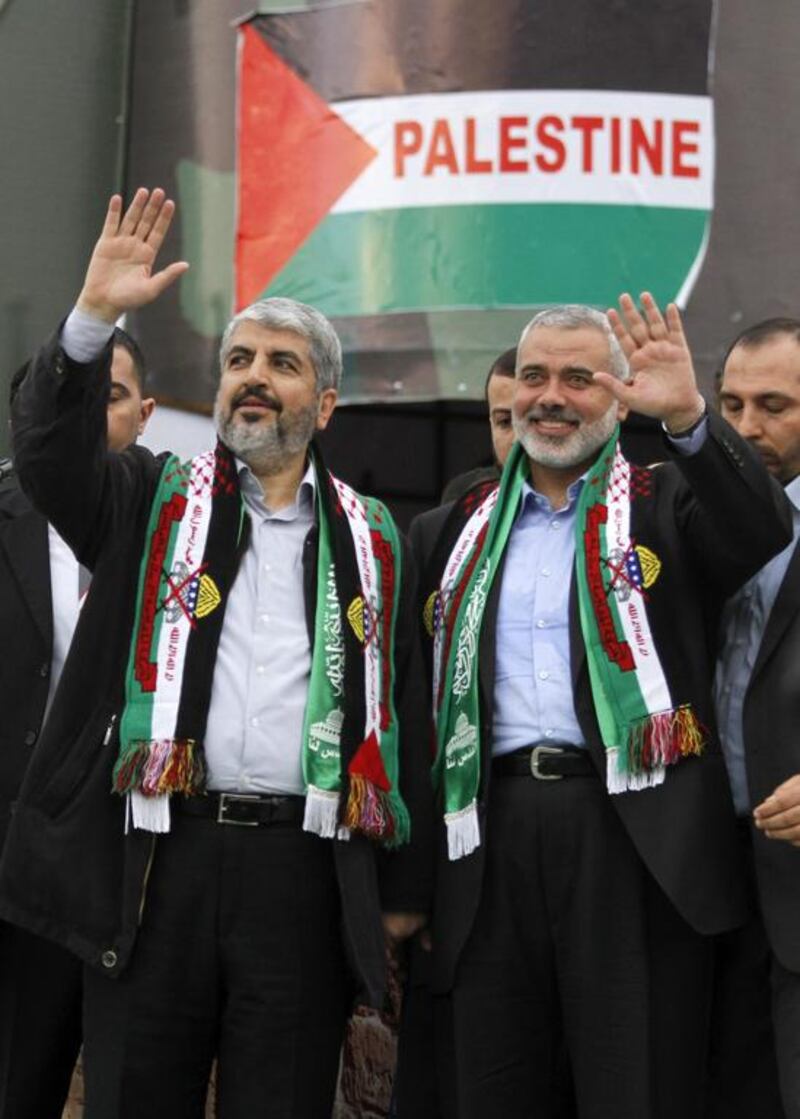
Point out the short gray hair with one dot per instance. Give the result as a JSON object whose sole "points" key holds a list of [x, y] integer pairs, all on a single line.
{"points": [[287, 314], [577, 316]]}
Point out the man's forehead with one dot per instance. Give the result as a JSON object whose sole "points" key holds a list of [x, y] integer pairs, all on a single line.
{"points": [[584, 345], [253, 335], [501, 391], [772, 365], [122, 369]]}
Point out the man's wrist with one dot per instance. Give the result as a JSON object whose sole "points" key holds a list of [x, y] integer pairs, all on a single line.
{"points": [[102, 311], [682, 424]]}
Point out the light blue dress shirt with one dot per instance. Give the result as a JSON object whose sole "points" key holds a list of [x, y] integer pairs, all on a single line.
{"points": [[533, 685], [744, 620]]}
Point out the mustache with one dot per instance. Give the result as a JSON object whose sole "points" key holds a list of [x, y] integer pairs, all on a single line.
{"points": [[553, 412], [257, 392]]}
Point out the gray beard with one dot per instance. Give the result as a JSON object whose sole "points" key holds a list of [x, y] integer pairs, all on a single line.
{"points": [[565, 452], [268, 449]]}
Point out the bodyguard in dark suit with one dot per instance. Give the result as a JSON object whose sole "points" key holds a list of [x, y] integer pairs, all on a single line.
{"points": [[226, 816], [40, 587], [589, 848], [758, 691]]}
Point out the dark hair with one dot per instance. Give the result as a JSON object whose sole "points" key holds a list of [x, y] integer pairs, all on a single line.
{"points": [[504, 366], [757, 335], [131, 346]]}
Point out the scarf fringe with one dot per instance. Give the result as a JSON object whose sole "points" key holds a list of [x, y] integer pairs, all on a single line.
{"points": [[150, 813], [162, 766], [463, 833], [321, 812], [654, 743], [373, 812]]}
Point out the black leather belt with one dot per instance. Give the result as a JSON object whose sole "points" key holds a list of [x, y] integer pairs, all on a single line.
{"points": [[545, 761], [245, 809]]}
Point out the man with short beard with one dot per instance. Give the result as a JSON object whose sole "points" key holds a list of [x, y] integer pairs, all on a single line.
{"points": [[588, 846], [225, 818]]}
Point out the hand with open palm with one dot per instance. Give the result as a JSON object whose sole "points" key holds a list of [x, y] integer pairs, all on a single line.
{"points": [[120, 275], [663, 382]]}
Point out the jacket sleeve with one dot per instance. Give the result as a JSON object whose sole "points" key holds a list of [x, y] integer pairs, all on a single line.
{"points": [[731, 514], [59, 429], [406, 875]]}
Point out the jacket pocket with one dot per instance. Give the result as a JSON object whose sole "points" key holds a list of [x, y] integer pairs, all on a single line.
{"points": [[96, 745]]}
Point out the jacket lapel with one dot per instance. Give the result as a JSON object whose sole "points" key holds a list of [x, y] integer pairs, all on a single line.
{"points": [[784, 608], [25, 543]]}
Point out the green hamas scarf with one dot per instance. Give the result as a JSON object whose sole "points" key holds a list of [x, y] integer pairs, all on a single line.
{"points": [[196, 534], [642, 730]]}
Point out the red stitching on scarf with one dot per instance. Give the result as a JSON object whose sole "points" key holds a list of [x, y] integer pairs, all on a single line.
{"points": [[145, 670], [617, 651]]}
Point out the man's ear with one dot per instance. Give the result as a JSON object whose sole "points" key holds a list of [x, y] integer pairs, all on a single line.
{"points": [[148, 405], [325, 407]]}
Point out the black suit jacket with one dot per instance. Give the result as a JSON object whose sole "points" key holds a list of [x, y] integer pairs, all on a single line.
{"points": [[712, 519], [26, 626], [771, 723], [68, 872]]}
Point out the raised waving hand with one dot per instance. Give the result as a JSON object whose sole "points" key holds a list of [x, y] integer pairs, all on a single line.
{"points": [[121, 275], [663, 382]]}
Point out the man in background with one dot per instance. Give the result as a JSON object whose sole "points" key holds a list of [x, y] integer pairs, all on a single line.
{"points": [[498, 393], [757, 693], [41, 588]]}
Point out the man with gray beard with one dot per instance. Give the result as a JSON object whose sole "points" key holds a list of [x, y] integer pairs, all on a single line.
{"points": [[225, 817], [588, 846]]}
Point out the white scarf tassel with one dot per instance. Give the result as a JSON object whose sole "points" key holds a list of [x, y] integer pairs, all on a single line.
{"points": [[149, 813], [463, 833], [321, 813]]}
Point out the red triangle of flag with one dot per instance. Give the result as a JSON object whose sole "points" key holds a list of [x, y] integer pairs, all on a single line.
{"points": [[296, 157], [367, 762]]}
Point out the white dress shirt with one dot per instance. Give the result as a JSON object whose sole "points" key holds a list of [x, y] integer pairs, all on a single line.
{"points": [[260, 687]]}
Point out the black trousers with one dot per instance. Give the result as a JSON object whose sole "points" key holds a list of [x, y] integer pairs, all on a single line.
{"points": [[786, 1016], [742, 1066], [40, 1024], [240, 957], [575, 953]]}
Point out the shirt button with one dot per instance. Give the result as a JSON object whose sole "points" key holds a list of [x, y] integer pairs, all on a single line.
{"points": [[544, 674], [264, 618], [109, 958], [261, 670], [545, 571], [30, 737], [554, 524], [548, 733], [541, 623], [254, 722], [268, 567]]}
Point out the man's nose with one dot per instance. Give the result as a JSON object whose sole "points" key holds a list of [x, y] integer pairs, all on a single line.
{"points": [[552, 392]]}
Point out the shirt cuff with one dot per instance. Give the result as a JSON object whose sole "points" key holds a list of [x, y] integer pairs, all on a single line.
{"points": [[84, 337], [689, 444]]}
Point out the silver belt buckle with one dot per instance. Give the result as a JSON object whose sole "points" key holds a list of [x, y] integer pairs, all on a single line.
{"points": [[538, 752], [227, 798]]}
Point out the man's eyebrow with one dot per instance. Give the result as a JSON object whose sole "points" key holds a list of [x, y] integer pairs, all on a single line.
{"points": [[239, 349], [726, 394]]}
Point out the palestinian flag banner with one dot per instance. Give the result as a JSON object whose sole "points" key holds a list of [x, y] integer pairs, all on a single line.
{"points": [[395, 159]]}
